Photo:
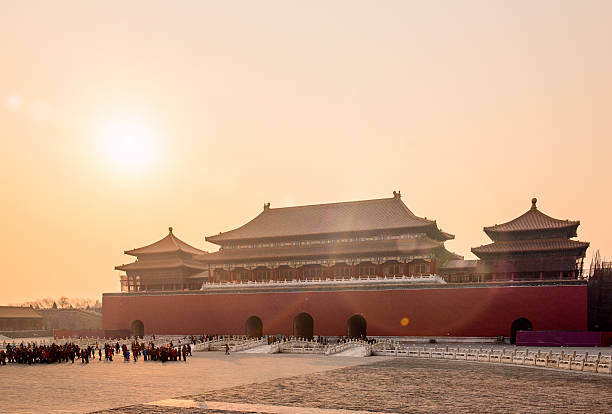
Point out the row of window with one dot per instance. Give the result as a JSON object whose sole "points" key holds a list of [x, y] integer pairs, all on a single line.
{"points": [[321, 242], [318, 272]]}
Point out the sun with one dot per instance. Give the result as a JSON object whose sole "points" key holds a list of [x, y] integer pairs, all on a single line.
{"points": [[127, 144]]}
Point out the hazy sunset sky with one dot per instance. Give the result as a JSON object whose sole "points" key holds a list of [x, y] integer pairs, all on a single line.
{"points": [[470, 108]]}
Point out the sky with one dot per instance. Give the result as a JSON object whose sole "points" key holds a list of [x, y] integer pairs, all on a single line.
{"points": [[119, 119]]}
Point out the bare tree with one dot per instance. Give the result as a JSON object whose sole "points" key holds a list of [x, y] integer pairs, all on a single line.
{"points": [[63, 302]]}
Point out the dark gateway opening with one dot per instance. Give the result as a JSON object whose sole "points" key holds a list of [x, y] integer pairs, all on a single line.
{"points": [[356, 327], [521, 324], [137, 328], [303, 326], [254, 327]]}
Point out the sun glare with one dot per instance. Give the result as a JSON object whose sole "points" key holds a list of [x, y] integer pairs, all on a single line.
{"points": [[128, 145]]}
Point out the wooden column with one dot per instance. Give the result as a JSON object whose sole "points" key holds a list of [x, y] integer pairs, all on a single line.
{"points": [[405, 268], [250, 274], [378, 269]]}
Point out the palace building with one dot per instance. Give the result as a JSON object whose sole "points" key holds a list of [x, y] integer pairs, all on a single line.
{"points": [[167, 264], [354, 268], [330, 241], [533, 246]]}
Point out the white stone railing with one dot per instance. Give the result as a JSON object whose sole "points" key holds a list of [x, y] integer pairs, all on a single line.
{"points": [[218, 343], [343, 346], [325, 282], [251, 343], [301, 347], [596, 363]]}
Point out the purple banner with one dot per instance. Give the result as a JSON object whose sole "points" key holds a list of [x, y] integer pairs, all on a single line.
{"points": [[558, 338]]}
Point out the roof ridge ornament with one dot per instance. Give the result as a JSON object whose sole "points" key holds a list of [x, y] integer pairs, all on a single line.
{"points": [[534, 201], [266, 206], [397, 195], [170, 230]]}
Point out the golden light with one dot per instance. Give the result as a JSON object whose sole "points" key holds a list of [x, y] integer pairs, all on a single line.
{"points": [[127, 144], [404, 321]]}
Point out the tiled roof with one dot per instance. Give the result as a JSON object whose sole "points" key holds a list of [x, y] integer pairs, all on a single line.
{"points": [[533, 219], [523, 246], [18, 312], [168, 244], [460, 264], [346, 217], [398, 246], [161, 264]]}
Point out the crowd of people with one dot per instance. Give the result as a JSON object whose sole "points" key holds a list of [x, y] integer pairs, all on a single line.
{"points": [[32, 353]]}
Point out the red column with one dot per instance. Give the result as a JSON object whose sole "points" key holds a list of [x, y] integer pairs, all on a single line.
{"points": [[378, 269], [294, 273], [405, 269], [251, 274], [353, 269]]}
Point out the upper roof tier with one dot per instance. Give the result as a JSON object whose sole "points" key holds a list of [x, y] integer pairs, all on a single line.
{"points": [[335, 218], [168, 244], [331, 251], [533, 221]]}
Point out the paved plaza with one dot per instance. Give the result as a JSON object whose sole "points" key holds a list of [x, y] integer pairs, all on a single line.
{"points": [[211, 382]]}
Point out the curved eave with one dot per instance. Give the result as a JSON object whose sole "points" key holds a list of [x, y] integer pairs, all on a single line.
{"points": [[219, 239], [492, 231], [152, 266], [487, 251]]}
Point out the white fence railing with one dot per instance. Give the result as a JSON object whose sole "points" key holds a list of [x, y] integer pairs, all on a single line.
{"points": [[546, 359], [326, 282]]}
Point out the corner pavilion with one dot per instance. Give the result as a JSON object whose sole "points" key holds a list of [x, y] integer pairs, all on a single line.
{"points": [[533, 246]]}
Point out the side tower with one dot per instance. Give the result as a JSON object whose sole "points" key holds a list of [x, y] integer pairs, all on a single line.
{"points": [[167, 264], [533, 246]]}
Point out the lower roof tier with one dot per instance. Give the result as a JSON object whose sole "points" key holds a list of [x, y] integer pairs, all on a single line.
{"points": [[171, 263], [331, 251], [531, 246]]}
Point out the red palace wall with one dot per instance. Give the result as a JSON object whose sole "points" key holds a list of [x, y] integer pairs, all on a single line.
{"points": [[462, 311]]}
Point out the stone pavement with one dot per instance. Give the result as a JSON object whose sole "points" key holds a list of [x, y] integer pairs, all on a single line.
{"points": [[299, 384], [76, 388], [405, 385]]}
